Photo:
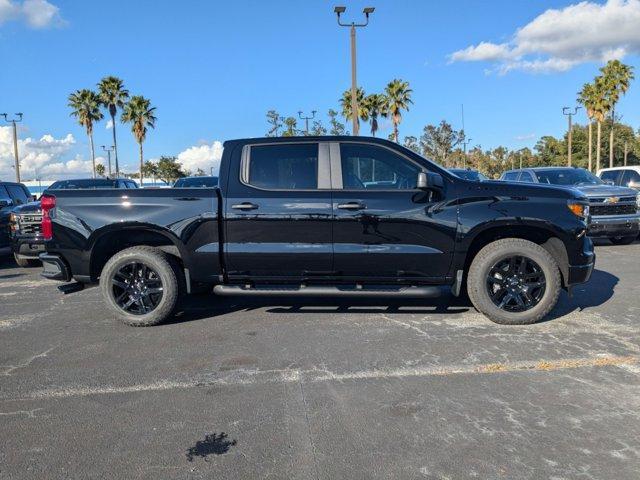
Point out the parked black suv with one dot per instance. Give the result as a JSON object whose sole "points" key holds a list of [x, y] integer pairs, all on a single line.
{"points": [[27, 240]]}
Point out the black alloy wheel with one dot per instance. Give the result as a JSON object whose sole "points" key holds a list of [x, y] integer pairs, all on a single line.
{"points": [[137, 288], [516, 284]]}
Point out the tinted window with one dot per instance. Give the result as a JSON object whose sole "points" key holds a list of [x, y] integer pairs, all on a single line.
{"points": [[511, 176], [630, 178], [20, 197], [197, 182], [82, 184], [132, 185], [568, 176], [611, 175], [369, 167], [284, 167], [525, 177], [468, 174], [4, 195]]}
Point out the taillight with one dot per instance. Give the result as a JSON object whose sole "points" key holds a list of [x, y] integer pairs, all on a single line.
{"points": [[47, 203]]}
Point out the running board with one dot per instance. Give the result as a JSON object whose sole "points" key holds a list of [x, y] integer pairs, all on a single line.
{"points": [[321, 291]]}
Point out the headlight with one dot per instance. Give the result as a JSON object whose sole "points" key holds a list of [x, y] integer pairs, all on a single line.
{"points": [[13, 222], [579, 209]]}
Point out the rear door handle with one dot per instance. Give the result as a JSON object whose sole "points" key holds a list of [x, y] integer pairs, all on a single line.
{"points": [[245, 206], [352, 206]]}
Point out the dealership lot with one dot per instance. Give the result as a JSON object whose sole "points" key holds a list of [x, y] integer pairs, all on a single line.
{"points": [[232, 389]]}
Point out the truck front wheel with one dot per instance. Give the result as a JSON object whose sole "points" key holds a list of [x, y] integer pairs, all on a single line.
{"points": [[514, 282], [140, 285]]}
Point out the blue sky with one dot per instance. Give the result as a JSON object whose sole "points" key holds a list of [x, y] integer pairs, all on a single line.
{"points": [[213, 69]]}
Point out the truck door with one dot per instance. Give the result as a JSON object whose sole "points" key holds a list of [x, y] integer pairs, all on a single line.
{"points": [[384, 227], [278, 212]]}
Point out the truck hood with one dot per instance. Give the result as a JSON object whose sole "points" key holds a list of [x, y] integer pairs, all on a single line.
{"points": [[31, 207], [605, 191]]}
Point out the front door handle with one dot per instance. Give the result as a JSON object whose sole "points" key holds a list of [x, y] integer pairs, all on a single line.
{"points": [[352, 206], [245, 206]]}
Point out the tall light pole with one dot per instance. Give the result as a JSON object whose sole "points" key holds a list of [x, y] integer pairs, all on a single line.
{"points": [[108, 150], [567, 111], [354, 86], [466, 142], [306, 119], [13, 121]]}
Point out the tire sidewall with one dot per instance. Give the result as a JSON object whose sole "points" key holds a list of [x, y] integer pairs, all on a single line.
{"points": [[548, 300], [158, 262]]}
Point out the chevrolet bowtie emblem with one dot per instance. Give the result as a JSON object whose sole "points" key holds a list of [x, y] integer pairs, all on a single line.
{"points": [[612, 200]]}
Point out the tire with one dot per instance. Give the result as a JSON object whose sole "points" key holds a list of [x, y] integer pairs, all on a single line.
{"points": [[25, 262], [622, 240], [125, 268], [538, 261]]}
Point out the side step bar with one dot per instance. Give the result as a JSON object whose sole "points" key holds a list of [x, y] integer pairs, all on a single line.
{"points": [[322, 291]]}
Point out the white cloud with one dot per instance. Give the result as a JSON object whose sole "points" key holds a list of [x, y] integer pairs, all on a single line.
{"points": [[526, 136], [109, 125], [36, 14], [559, 39], [35, 154], [202, 156]]}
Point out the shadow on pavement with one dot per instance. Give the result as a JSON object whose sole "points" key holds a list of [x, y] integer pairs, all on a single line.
{"points": [[597, 291]]}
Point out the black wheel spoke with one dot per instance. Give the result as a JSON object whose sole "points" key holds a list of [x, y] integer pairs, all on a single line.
{"points": [[137, 288], [516, 283]]}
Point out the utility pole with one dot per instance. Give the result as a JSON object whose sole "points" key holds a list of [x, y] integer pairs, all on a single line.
{"points": [[354, 86], [13, 121], [108, 150], [466, 142], [306, 119], [626, 152], [567, 111]]}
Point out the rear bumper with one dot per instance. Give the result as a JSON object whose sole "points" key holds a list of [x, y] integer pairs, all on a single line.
{"points": [[54, 267], [614, 226]]}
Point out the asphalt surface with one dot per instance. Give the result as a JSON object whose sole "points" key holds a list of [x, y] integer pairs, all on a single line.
{"points": [[239, 390]]}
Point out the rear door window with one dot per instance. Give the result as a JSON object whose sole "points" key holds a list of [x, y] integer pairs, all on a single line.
{"points": [[283, 167], [511, 176], [630, 178], [611, 175]]}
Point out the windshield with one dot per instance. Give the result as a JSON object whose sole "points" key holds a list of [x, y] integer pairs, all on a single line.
{"points": [[202, 182], [568, 176], [469, 174]]}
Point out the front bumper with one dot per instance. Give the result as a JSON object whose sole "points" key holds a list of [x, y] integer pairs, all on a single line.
{"points": [[54, 267], [614, 226], [580, 273], [28, 247]]}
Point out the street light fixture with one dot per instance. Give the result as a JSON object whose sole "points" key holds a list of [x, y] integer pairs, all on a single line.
{"points": [[13, 121], [354, 88], [306, 119]]}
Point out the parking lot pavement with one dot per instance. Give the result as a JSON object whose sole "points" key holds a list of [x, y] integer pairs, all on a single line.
{"points": [[321, 390]]}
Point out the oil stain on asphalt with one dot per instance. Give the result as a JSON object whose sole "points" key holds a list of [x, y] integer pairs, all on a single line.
{"points": [[213, 444]]}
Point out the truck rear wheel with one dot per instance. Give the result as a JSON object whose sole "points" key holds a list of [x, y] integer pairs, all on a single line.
{"points": [[141, 286], [514, 282]]}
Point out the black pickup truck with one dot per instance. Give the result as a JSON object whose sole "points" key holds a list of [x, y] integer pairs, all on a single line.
{"points": [[322, 216]]}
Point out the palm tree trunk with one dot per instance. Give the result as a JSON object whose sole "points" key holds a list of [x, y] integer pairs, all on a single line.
{"points": [[395, 131], [613, 121], [590, 143], [141, 164], [598, 142], [115, 144], [93, 154]]}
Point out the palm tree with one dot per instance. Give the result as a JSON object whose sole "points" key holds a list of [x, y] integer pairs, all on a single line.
{"points": [[377, 105], [113, 95], [140, 114], [345, 103], [85, 106], [617, 78], [600, 109], [588, 97], [399, 95]]}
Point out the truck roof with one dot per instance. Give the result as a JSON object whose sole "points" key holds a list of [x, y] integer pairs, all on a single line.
{"points": [[310, 138]]}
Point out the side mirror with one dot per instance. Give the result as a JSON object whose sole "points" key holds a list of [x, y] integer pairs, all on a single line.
{"points": [[5, 203], [429, 181]]}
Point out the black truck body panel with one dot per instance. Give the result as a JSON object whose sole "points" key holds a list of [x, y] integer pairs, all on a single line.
{"points": [[238, 233]]}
